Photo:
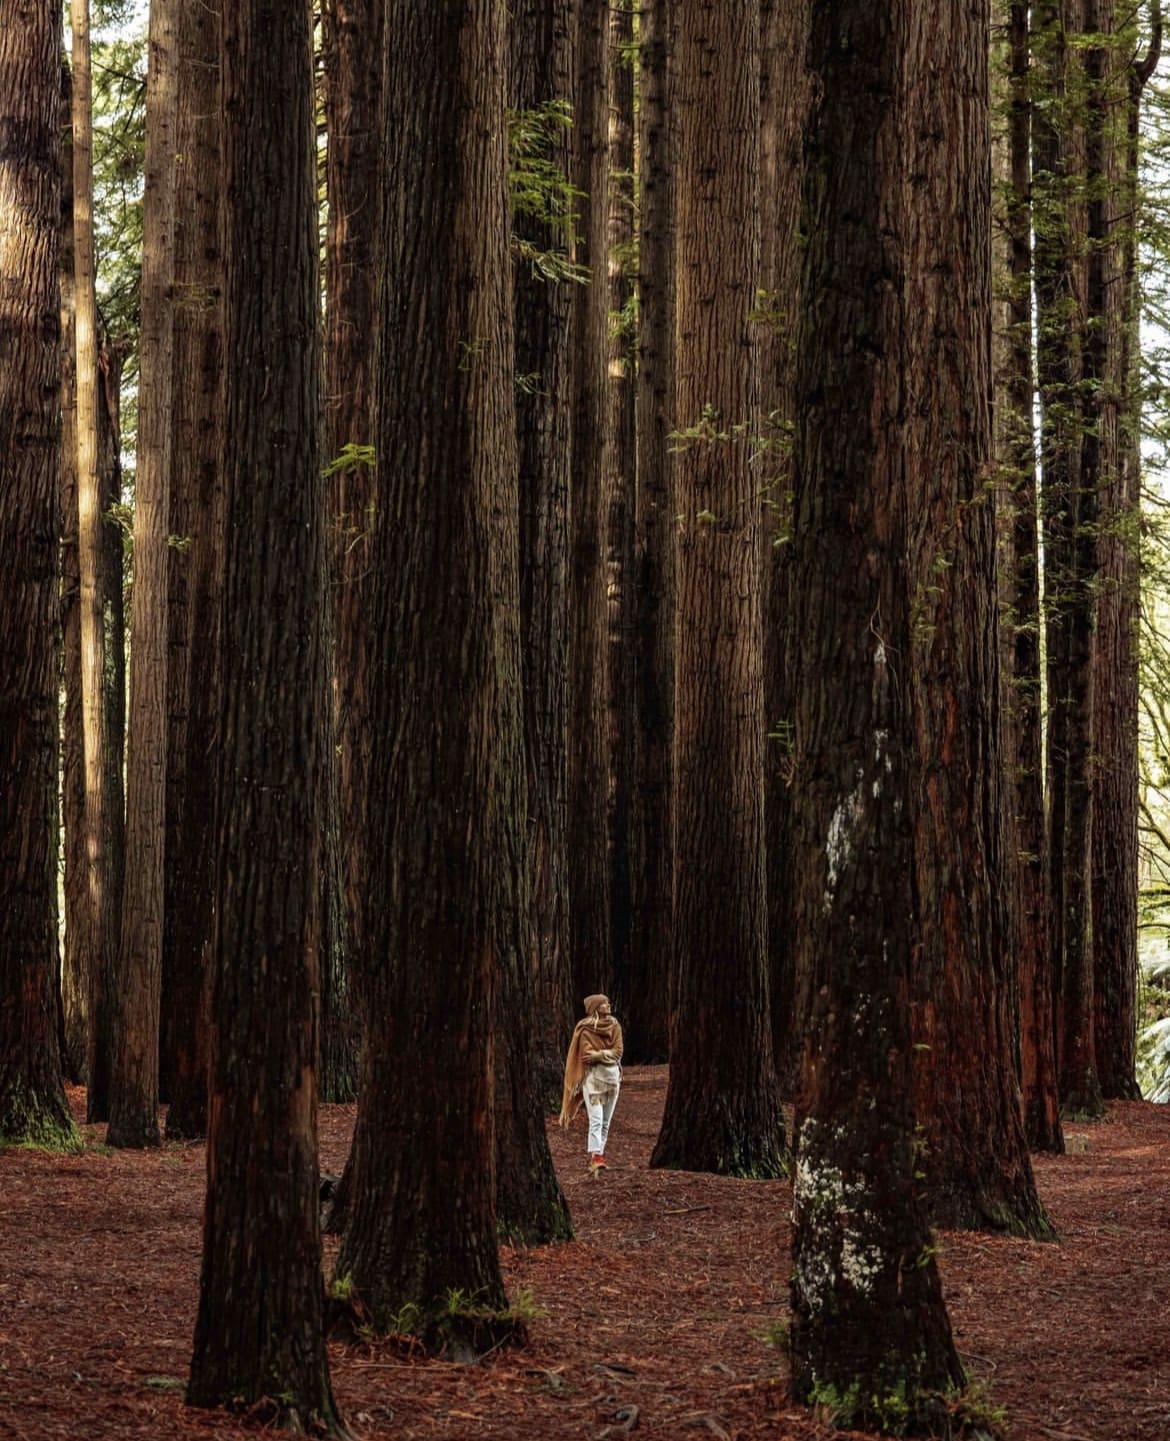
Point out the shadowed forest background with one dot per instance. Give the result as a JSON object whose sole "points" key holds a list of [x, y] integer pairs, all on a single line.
{"points": [[505, 502]]}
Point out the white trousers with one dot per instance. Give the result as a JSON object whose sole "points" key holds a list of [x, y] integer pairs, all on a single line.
{"points": [[599, 1108]]}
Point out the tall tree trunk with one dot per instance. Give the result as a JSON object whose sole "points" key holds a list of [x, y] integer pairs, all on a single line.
{"points": [[100, 820], [869, 1321], [196, 517], [33, 1109], [1026, 842], [722, 1109], [352, 44], [447, 781], [968, 1102], [587, 775], [530, 1207], [543, 37], [648, 986], [1115, 721], [1068, 505], [618, 485], [783, 104], [259, 1335], [134, 1073], [1114, 958], [75, 890]]}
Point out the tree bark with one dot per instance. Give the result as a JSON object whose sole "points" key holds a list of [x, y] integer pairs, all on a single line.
{"points": [[447, 781], [1116, 661], [353, 43], [1026, 842], [102, 813], [618, 484], [968, 1098], [75, 889], [543, 38], [259, 1334], [870, 1334], [722, 1108], [588, 773], [648, 987], [134, 1073], [196, 518], [783, 105], [33, 1109]]}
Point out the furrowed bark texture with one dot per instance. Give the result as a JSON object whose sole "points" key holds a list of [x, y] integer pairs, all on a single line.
{"points": [[783, 105], [588, 774], [446, 791], [1020, 599], [259, 1330], [196, 516], [32, 1099], [979, 1174], [722, 1108], [542, 59], [870, 1330], [134, 1073], [353, 32], [647, 992]]}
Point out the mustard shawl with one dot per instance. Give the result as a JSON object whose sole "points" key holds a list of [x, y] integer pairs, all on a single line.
{"points": [[594, 1033]]}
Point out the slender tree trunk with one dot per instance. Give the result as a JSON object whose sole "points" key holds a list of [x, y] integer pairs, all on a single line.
{"points": [[783, 104], [447, 781], [259, 1335], [1116, 847], [530, 1207], [353, 42], [869, 1321], [134, 1074], [1023, 715], [543, 36], [1115, 721], [587, 773], [1069, 501], [722, 1105], [33, 1109], [75, 892], [618, 484], [196, 517], [102, 925], [648, 986]]}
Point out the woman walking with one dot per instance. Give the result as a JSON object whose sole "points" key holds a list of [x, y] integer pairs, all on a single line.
{"points": [[593, 1074]]}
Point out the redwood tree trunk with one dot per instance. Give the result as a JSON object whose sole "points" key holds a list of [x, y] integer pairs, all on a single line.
{"points": [[1114, 866], [591, 959], [968, 1102], [447, 780], [33, 1109], [722, 1109], [193, 583], [102, 810], [648, 985], [783, 106], [543, 36], [353, 44], [618, 483], [869, 1321], [75, 888], [134, 1074], [1023, 715], [259, 1333]]}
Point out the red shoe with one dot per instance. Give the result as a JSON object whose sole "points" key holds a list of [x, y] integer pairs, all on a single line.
{"points": [[598, 1162]]}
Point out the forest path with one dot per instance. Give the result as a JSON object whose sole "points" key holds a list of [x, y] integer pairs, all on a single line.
{"points": [[654, 1320]]}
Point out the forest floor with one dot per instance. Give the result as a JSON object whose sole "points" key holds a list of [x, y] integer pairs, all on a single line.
{"points": [[655, 1319]]}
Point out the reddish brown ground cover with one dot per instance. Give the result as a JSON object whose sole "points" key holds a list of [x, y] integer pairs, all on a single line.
{"points": [[654, 1319]]}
